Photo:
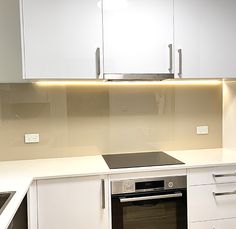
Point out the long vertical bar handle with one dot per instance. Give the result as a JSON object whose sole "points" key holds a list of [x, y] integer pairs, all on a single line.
{"points": [[98, 63], [171, 58], [103, 195], [180, 74]]}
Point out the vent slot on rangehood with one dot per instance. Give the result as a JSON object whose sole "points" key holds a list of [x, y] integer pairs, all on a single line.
{"points": [[138, 77]]}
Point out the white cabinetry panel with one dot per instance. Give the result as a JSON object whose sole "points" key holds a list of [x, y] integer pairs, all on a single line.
{"points": [[136, 36], [203, 225], [204, 205], [72, 203], [60, 38], [213, 175], [32, 205], [206, 33], [217, 224]]}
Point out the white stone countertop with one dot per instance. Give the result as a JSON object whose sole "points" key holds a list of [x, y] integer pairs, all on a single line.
{"points": [[18, 175]]}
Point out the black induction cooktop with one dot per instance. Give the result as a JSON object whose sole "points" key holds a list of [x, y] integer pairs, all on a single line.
{"points": [[131, 160]]}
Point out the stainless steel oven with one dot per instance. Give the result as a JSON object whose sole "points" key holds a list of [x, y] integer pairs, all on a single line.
{"points": [[159, 203]]}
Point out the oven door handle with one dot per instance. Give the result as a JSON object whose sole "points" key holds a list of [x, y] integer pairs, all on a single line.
{"points": [[156, 197]]}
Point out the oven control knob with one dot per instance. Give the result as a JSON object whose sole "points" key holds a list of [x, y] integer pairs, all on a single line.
{"points": [[129, 186], [170, 184]]}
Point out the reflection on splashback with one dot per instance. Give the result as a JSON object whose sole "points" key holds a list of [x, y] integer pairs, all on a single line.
{"points": [[229, 108], [91, 120]]}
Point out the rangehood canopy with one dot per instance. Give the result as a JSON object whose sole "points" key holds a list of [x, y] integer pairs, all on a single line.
{"points": [[138, 77]]}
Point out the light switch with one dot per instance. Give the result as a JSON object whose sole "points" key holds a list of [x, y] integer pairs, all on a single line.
{"points": [[31, 138], [202, 130]]}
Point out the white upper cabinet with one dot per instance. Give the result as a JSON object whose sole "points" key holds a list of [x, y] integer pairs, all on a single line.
{"points": [[205, 32], [69, 39], [61, 39], [137, 35]]}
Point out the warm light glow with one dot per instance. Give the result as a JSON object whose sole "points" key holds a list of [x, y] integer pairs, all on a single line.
{"points": [[129, 83], [113, 4], [68, 83], [191, 82]]}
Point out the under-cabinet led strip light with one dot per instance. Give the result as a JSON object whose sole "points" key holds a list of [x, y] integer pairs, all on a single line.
{"points": [[128, 83]]}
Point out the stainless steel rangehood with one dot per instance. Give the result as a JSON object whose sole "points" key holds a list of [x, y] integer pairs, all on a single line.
{"points": [[138, 77]]}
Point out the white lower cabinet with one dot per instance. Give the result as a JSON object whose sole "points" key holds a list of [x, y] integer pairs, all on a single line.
{"points": [[212, 198], [203, 225], [71, 203], [216, 224], [210, 202], [213, 175]]}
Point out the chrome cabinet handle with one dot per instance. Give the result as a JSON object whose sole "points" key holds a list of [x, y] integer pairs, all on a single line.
{"points": [[180, 74], [103, 195], [157, 197], [224, 175], [224, 193], [171, 58], [98, 62]]}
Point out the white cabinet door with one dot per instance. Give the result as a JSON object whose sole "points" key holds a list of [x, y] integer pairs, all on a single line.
{"points": [[72, 203], [212, 175], [60, 38], [203, 225], [205, 31], [136, 36], [211, 202], [226, 224], [217, 224]]}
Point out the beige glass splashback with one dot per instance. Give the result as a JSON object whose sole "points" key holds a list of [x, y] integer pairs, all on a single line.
{"points": [[92, 120]]}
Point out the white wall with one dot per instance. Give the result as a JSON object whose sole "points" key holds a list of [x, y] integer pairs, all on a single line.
{"points": [[229, 114]]}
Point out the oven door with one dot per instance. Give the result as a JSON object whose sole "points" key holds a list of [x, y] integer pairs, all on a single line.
{"points": [[152, 210]]}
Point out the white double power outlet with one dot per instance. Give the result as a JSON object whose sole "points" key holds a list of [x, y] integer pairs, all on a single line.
{"points": [[202, 130], [31, 138]]}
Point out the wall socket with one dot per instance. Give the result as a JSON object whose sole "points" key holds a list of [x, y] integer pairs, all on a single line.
{"points": [[31, 138], [202, 130]]}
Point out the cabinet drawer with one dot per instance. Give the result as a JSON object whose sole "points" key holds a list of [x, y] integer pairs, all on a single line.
{"points": [[203, 225], [204, 205], [212, 175], [217, 224]]}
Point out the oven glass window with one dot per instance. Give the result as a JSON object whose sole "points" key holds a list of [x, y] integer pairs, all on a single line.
{"points": [[151, 214]]}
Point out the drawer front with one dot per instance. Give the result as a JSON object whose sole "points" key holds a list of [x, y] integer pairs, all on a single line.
{"points": [[212, 175], [204, 205], [217, 224], [204, 225]]}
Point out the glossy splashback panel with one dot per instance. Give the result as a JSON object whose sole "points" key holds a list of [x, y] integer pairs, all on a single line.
{"points": [[91, 120]]}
